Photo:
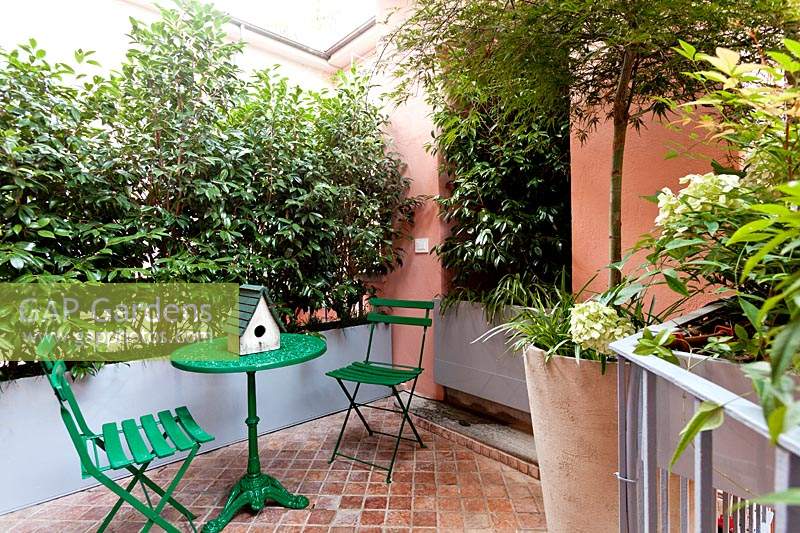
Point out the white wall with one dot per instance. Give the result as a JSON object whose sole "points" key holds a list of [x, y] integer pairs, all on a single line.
{"points": [[62, 26]]}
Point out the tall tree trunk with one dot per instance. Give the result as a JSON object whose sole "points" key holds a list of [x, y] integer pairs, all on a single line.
{"points": [[621, 116]]}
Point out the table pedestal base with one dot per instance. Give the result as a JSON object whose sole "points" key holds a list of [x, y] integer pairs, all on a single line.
{"points": [[254, 490]]}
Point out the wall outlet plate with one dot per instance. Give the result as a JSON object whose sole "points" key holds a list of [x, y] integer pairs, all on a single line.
{"points": [[421, 246]]}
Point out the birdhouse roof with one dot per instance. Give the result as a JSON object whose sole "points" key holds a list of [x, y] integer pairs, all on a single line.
{"points": [[249, 297]]}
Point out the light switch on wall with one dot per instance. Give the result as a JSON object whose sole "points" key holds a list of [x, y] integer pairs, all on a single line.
{"points": [[421, 246]]}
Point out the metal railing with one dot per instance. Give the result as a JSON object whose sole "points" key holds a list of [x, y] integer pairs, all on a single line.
{"points": [[647, 490]]}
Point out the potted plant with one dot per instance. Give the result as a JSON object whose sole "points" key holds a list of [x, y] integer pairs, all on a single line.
{"points": [[733, 233], [570, 376]]}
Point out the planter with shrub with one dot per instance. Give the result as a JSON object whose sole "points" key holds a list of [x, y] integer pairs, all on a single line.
{"points": [[735, 233]]}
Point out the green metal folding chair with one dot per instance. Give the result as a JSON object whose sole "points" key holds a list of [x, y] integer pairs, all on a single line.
{"points": [[183, 432], [388, 375]]}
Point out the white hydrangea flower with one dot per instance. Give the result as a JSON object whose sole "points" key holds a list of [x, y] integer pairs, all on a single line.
{"points": [[668, 203], [593, 325], [703, 192]]}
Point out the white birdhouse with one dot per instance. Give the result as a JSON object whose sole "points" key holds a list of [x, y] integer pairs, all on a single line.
{"points": [[256, 329]]}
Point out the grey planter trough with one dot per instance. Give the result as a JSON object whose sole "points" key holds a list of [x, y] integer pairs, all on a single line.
{"points": [[38, 462], [487, 369], [743, 460]]}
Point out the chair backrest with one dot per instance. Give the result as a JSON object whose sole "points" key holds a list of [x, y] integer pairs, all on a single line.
{"points": [[71, 413], [376, 317]]}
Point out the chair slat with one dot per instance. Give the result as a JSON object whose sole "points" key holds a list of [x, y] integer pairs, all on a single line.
{"points": [[373, 380], [374, 376], [397, 319], [157, 440], [408, 304], [174, 432], [136, 444], [113, 447], [192, 428], [385, 370]]}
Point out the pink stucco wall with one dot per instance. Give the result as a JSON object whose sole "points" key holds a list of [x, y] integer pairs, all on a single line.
{"points": [[645, 171], [421, 275]]}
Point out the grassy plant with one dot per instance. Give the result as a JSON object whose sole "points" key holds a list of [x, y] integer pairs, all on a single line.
{"points": [[543, 322]]}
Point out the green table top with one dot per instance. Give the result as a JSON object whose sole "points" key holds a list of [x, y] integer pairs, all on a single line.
{"points": [[199, 357]]}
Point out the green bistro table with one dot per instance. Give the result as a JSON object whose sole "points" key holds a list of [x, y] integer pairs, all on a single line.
{"points": [[256, 487]]}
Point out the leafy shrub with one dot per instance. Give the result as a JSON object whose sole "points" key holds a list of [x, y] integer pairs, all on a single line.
{"points": [[507, 163], [738, 234], [175, 169], [560, 322], [721, 231], [47, 143], [509, 198]]}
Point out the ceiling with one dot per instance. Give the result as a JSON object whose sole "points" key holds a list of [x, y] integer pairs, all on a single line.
{"points": [[319, 25]]}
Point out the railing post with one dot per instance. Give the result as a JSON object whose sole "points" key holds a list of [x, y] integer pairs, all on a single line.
{"points": [[633, 416], [704, 494], [664, 501], [622, 453], [684, 505], [649, 461], [787, 474]]}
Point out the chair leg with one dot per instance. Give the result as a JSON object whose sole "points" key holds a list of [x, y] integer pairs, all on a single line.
{"points": [[137, 475], [406, 409], [352, 400], [172, 486], [353, 404], [153, 514], [404, 406], [158, 490], [149, 513]]}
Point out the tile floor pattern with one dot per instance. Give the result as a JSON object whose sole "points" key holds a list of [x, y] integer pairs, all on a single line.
{"points": [[444, 487]]}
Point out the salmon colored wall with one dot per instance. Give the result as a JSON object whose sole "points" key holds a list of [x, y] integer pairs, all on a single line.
{"points": [[421, 275], [645, 171]]}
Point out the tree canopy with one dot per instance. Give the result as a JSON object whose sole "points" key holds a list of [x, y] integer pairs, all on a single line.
{"points": [[613, 58]]}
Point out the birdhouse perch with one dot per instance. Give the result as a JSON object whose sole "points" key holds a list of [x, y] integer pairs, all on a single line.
{"points": [[256, 329]]}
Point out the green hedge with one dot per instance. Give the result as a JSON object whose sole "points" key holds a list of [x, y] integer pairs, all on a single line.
{"points": [[508, 205], [174, 168], [507, 162]]}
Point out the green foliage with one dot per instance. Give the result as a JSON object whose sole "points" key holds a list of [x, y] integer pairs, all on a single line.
{"points": [[546, 319], [739, 237], [709, 416], [611, 56], [543, 322], [508, 168], [750, 101], [789, 497], [743, 238], [174, 168], [656, 343], [508, 206], [48, 145]]}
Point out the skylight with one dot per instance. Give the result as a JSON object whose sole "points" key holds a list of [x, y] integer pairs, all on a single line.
{"points": [[317, 24]]}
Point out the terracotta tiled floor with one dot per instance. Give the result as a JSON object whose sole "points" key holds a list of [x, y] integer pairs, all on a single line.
{"points": [[444, 487]]}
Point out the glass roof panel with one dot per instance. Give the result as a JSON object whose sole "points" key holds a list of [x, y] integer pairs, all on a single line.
{"points": [[318, 24]]}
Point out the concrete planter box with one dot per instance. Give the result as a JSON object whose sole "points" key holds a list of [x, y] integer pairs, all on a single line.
{"points": [[743, 461], [488, 369], [574, 410], [38, 461]]}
